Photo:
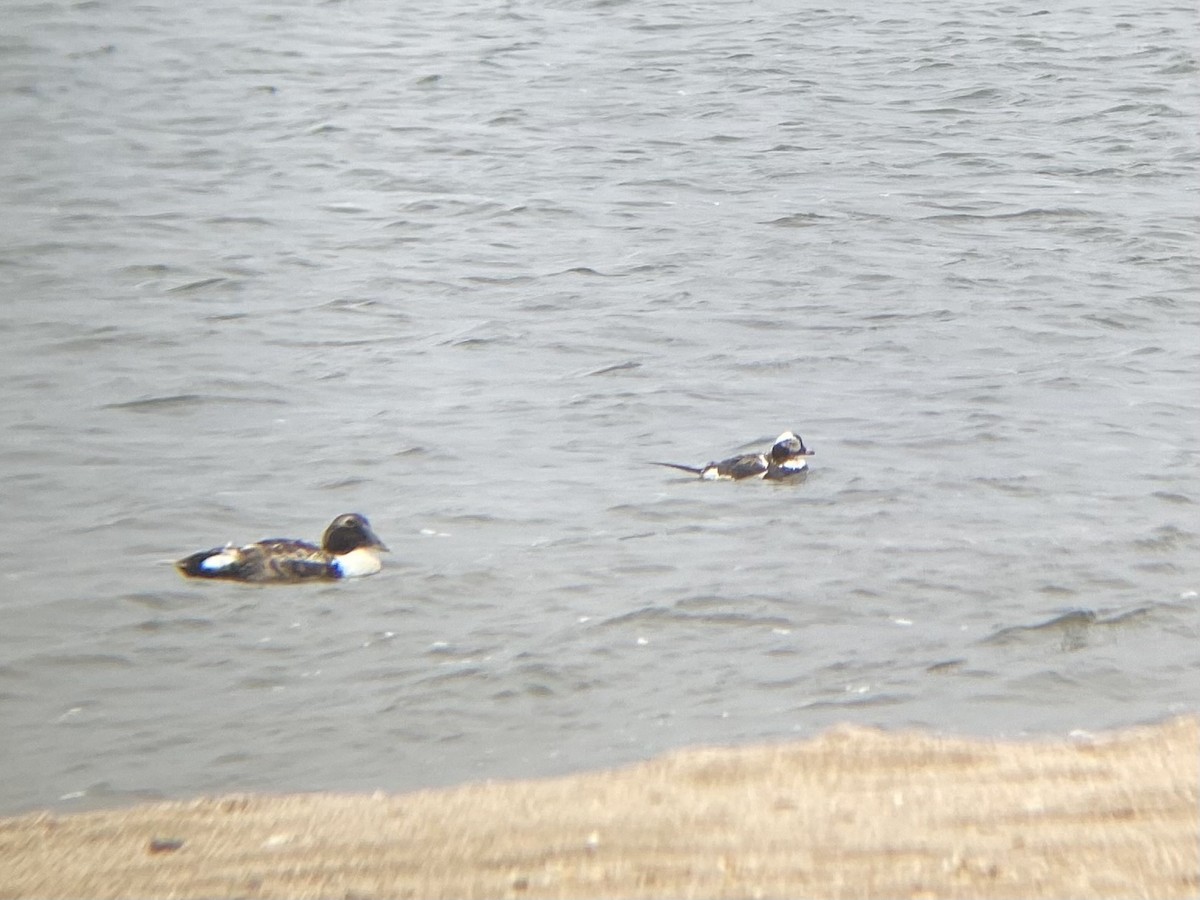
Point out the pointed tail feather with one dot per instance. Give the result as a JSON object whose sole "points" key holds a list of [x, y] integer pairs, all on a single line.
{"points": [[695, 470], [218, 562], [193, 566]]}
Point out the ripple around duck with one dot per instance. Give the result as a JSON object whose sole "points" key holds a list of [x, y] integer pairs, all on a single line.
{"points": [[183, 402], [1071, 628], [665, 616]]}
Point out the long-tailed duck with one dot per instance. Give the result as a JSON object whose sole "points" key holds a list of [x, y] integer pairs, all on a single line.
{"points": [[349, 548], [786, 458]]}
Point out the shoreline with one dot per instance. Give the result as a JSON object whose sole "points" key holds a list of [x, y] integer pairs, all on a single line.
{"points": [[853, 812]]}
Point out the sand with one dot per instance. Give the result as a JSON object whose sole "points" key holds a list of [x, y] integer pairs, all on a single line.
{"points": [[852, 813]]}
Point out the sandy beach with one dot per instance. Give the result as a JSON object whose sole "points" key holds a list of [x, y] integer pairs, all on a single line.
{"points": [[851, 813]]}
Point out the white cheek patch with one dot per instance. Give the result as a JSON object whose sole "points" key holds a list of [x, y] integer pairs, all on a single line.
{"points": [[219, 561], [356, 563]]}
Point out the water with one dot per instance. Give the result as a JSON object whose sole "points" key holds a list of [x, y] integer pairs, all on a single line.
{"points": [[466, 268]]}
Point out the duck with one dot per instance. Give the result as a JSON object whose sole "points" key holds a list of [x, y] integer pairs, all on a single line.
{"points": [[787, 458], [349, 549]]}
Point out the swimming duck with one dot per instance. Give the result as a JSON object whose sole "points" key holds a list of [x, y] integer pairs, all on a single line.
{"points": [[349, 548], [787, 457]]}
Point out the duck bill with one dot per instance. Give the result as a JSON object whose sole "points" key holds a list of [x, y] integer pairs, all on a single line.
{"points": [[376, 542]]}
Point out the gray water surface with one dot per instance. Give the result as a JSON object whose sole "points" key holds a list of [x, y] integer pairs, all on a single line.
{"points": [[467, 267]]}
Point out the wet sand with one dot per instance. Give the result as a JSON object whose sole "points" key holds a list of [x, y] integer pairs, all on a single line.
{"points": [[852, 813]]}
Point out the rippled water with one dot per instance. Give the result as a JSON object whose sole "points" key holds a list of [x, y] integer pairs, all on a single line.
{"points": [[467, 267]]}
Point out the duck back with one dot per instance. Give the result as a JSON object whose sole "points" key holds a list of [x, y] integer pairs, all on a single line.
{"points": [[275, 560]]}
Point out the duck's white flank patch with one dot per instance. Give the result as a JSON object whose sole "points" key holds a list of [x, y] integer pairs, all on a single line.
{"points": [[356, 563], [795, 465], [219, 561]]}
